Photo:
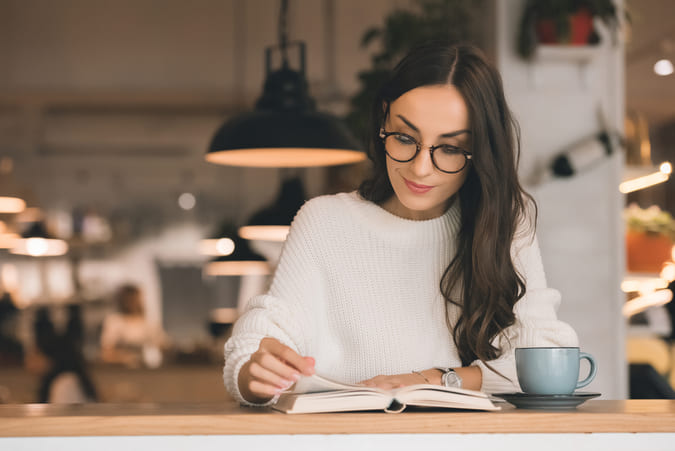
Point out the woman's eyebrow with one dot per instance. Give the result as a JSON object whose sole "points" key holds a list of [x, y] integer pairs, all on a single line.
{"points": [[444, 135]]}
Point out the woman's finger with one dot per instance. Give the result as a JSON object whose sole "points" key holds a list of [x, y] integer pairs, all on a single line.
{"points": [[270, 370], [279, 367], [262, 389], [288, 355]]}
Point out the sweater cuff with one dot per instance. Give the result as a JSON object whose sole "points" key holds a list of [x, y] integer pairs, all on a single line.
{"points": [[493, 382], [233, 365]]}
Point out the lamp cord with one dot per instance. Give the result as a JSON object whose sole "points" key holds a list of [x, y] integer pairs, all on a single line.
{"points": [[283, 32]]}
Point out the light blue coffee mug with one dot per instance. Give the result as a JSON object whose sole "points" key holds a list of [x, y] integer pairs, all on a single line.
{"points": [[552, 371]]}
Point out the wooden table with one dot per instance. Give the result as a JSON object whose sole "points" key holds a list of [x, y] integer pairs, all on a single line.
{"points": [[616, 424]]}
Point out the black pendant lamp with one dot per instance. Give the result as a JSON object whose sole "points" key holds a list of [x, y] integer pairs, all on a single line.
{"points": [[10, 201], [235, 258], [36, 242], [285, 130], [8, 238], [273, 222]]}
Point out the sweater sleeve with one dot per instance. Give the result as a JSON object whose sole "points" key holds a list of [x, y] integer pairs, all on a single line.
{"points": [[287, 310], [536, 323]]}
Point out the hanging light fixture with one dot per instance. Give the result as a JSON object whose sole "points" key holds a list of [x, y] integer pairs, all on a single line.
{"points": [[664, 65], [639, 171], [273, 222], [8, 238], [220, 243], [234, 256], [11, 204], [216, 247], [36, 242], [285, 130], [10, 201]]}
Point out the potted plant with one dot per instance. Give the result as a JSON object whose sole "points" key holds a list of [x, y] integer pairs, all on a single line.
{"points": [[650, 234], [564, 22]]}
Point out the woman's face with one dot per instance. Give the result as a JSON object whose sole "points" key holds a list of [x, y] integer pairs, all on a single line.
{"points": [[427, 114], [132, 304]]}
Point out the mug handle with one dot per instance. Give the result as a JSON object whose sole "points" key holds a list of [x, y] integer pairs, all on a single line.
{"points": [[591, 373]]}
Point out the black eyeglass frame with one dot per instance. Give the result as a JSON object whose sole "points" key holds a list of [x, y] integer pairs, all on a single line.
{"points": [[467, 155]]}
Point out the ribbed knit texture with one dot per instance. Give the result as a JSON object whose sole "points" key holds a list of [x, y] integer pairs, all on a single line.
{"points": [[357, 288]]}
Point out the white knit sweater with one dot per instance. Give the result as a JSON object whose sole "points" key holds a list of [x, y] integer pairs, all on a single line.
{"points": [[357, 288]]}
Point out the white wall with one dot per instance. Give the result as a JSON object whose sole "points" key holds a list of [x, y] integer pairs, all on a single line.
{"points": [[580, 228]]}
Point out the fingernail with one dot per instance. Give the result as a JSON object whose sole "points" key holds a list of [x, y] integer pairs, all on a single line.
{"points": [[286, 383], [295, 377]]}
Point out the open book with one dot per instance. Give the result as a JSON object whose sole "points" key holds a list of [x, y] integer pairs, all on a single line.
{"points": [[318, 394]]}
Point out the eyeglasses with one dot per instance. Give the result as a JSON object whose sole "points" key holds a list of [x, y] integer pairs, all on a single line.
{"points": [[403, 148]]}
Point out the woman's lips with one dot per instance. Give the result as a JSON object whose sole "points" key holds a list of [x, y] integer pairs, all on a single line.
{"points": [[415, 188]]}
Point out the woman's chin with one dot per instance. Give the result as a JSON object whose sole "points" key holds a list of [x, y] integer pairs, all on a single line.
{"points": [[421, 209]]}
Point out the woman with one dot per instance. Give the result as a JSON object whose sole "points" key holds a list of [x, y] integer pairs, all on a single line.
{"points": [[127, 337], [431, 272]]}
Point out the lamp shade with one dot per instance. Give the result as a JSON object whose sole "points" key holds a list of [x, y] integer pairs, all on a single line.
{"points": [[11, 204], [10, 200], [36, 242], [268, 138], [273, 222], [243, 261], [235, 257], [285, 130], [216, 247], [8, 238], [639, 172]]}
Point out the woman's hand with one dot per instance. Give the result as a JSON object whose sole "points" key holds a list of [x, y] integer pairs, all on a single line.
{"points": [[395, 381], [273, 368]]}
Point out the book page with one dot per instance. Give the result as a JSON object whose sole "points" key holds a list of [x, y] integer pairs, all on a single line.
{"points": [[317, 384]]}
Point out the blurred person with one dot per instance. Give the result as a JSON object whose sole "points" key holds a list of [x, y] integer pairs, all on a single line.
{"points": [[11, 349], [59, 361], [127, 337]]}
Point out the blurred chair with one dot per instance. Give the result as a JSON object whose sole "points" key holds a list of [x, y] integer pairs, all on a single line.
{"points": [[650, 361], [647, 383]]}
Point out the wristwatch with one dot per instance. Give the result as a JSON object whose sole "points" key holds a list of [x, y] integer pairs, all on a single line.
{"points": [[450, 378]]}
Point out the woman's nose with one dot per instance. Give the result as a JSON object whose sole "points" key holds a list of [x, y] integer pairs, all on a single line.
{"points": [[422, 165]]}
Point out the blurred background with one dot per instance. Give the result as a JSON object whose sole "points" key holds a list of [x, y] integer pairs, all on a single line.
{"points": [[153, 153]]}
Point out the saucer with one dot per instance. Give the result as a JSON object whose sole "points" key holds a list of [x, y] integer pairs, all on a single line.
{"points": [[547, 402]]}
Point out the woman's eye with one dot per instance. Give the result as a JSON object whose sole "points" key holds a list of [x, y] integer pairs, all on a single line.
{"points": [[405, 140], [450, 150]]}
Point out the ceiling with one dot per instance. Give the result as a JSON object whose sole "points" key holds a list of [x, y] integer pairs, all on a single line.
{"points": [[66, 61]]}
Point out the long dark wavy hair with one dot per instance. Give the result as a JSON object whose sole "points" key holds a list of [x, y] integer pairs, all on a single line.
{"points": [[492, 201]]}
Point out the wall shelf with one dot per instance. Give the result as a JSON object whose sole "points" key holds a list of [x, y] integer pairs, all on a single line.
{"points": [[566, 53]]}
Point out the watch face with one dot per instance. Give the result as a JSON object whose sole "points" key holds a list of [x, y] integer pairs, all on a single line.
{"points": [[451, 379]]}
